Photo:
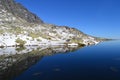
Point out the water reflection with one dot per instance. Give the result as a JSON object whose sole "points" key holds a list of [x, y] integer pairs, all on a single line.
{"points": [[13, 61]]}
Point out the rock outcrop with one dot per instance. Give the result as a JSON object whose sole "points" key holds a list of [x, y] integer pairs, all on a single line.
{"points": [[17, 10]]}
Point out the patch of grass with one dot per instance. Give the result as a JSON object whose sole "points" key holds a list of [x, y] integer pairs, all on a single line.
{"points": [[76, 41], [27, 38], [1, 31], [20, 42], [18, 30], [34, 35]]}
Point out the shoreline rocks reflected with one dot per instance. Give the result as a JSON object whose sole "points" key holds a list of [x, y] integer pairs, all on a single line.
{"points": [[14, 61]]}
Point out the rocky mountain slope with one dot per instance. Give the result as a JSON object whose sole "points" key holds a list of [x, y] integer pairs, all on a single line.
{"points": [[18, 26]]}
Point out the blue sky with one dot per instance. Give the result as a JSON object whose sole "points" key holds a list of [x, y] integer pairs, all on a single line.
{"points": [[95, 17]]}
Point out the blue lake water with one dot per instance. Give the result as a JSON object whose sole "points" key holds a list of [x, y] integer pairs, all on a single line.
{"points": [[97, 62]]}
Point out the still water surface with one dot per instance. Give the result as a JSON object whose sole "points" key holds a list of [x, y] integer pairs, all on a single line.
{"points": [[97, 62]]}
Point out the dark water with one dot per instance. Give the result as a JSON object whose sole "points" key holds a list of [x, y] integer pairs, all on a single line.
{"points": [[98, 62]]}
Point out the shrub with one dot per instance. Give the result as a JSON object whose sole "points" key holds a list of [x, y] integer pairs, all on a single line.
{"points": [[20, 42], [38, 40]]}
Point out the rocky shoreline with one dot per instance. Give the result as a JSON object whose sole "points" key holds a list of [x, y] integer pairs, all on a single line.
{"points": [[11, 40]]}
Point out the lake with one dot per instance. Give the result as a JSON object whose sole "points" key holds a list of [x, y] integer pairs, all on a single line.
{"points": [[96, 62]]}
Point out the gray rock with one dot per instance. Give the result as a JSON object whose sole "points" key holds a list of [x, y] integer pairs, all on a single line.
{"points": [[19, 11]]}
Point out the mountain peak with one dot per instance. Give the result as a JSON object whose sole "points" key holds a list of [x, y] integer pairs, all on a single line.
{"points": [[18, 10]]}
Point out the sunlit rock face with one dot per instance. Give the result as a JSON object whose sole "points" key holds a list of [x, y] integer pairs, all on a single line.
{"points": [[17, 10], [16, 22]]}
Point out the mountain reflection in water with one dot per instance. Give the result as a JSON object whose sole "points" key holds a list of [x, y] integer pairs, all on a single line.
{"points": [[14, 61]]}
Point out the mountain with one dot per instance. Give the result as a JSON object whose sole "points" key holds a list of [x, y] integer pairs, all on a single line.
{"points": [[18, 26]]}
